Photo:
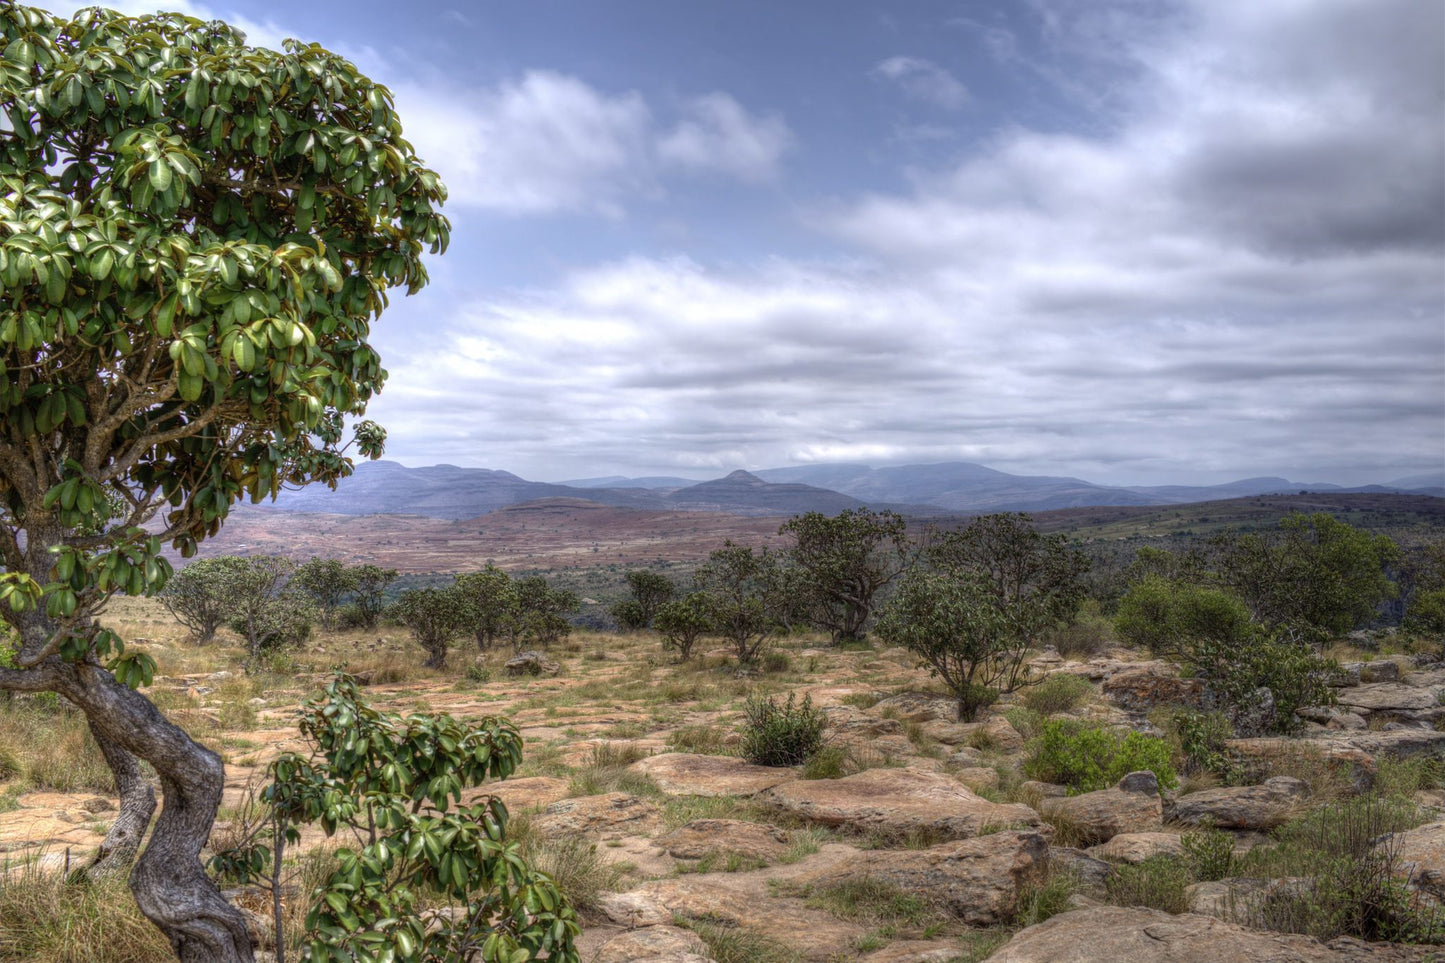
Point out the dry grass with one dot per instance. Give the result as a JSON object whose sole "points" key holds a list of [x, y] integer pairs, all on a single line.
{"points": [[43, 919], [48, 746]]}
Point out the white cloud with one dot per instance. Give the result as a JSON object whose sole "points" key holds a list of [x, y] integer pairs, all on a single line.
{"points": [[544, 143], [719, 135], [924, 80]]}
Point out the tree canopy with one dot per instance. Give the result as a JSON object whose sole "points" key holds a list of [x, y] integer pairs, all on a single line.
{"points": [[195, 236]]}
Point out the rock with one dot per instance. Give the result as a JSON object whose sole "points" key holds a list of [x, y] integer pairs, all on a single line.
{"points": [[965, 756], [847, 726], [1132, 806], [999, 734], [531, 663], [1243, 807], [918, 707], [1137, 847], [978, 778], [1092, 873], [633, 909], [691, 774], [1042, 790], [1420, 857], [1354, 673], [655, 944], [1389, 697], [977, 880], [518, 795], [1325, 750], [97, 804], [1142, 691], [609, 816], [1332, 718], [703, 837], [897, 802], [1109, 933]]}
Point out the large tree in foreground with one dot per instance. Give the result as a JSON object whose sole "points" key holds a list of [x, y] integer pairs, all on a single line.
{"points": [[195, 236]]}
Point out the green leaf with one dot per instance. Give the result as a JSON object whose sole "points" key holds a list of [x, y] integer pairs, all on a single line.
{"points": [[160, 176]]}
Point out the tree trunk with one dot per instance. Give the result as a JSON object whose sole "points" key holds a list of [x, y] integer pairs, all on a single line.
{"points": [[169, 883], [137, 805]]}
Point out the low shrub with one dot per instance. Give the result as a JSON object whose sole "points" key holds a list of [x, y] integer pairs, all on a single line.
{"points": [[1202, 738], [781, 735], [1086, 758], [1060, 692], [1089, 634], [1209, 853], [1047, 897], [1158, 882]]}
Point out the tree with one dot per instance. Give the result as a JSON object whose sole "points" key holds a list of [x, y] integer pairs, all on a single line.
{"points": [[742, 591], [1258, 675], [491, 599], [370, 591], [1035, 580], [953, 623], [195, 236], [685, 621], [391, 782], [436, 617], [1314, 574], [846, 560], [539, 615], [263, 609], [326, 581], [196, 595], [649, 590]]}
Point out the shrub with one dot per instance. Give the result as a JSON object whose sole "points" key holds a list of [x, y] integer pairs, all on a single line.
{"points": [[1089, 634], [1158, 882], [1202, 739], [776, 662], [683, 622], [629, 615], [1058, 693], [1047, 897], [1086, 758], [1209, 853], [781, 735]]}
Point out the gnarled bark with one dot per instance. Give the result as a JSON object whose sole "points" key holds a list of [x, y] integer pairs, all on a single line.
{"points": [[169, 883], [137, 805]]}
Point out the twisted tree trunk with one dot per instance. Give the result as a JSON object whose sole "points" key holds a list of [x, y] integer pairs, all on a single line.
{"points": [[137, 805]]}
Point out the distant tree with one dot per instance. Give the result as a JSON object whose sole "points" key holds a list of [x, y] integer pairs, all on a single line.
{"points": [[649, 590], [369, 592], [1314, 574], [263, 609], [1258, 675], [326, 581], [196, 595], [540, 614], [435, 617], [952, 621], [629, 615], [1035, 580], [491, 601], [846, 559], [1425, 609], [685, 621], [742, 589]]}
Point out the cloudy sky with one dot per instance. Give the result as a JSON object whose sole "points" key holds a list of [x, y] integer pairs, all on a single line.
{"points": [[1133, 241]]}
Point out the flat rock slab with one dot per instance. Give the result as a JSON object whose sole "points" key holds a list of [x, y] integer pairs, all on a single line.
{"points": [[1388, 696], [715, 837], [1258, 808], [1149, 936], [1141, 691], [740, 900], [519, 795], [976, 880], [656, 944], [897, 801], [693, 774], [608, 816], [1133, 806]]}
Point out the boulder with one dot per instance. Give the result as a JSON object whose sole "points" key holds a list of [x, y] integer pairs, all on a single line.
{"points": [[978, 778], [1355, 673], [977, 880], [608, 816], [1133, 806], [1135, 935], [1091, 872], [1137, 847], [531, 663], [896, 802], [704, 837], [691, 774], [1388, 697], [998, 733], [918, 707], [1141, 691], [847, 726], [1243, 807], [1420, 857]]}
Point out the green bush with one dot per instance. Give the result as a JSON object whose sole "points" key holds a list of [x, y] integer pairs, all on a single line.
{"points": [[781, 735], [1209, 853], [1058, 693], [1086, 758], [1203, 742], [1158, 882]]}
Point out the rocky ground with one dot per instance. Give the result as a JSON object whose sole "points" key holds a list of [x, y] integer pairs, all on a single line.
{"points": [[926, 846]]}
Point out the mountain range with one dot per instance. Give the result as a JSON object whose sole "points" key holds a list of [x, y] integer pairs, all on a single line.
{"points": [[450, 492]]}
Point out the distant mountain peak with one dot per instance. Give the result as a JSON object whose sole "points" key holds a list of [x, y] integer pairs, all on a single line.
{"points": [[741, 477]]}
